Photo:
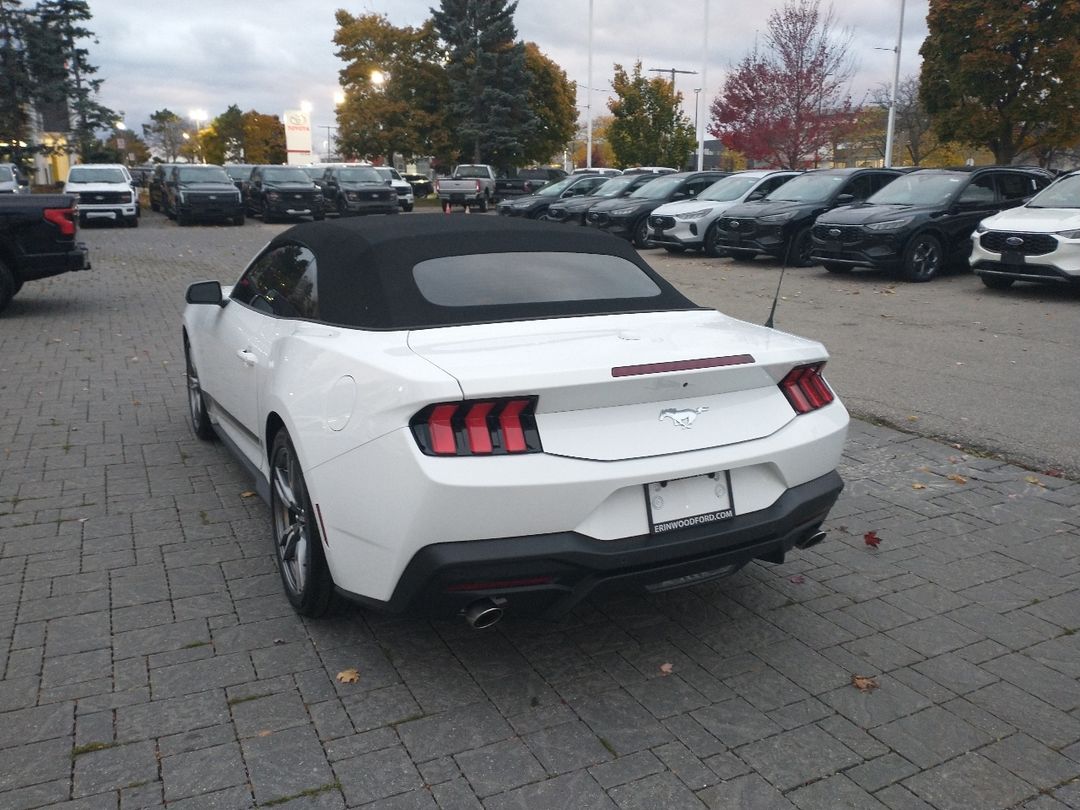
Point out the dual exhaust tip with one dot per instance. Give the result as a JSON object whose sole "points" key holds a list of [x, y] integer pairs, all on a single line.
{"points": [[811, 540]]}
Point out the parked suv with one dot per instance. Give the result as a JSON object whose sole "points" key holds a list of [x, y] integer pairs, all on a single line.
{"points": [[356, 190], [203, 192], [918, 223], [535, 206], [577, 208], [629, 216], [676, 226], [105, 191], [284, 192], [1037, 241], [779, 225], [13, 180]]}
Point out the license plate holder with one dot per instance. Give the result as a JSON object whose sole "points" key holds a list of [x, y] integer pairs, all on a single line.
{"points": [[1012, 257], [685, 502]]}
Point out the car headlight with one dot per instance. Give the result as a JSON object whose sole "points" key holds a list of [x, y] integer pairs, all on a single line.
{"points": [[622, 212], [693, 214], [1075, 234], [891, 225], [774, 218]]}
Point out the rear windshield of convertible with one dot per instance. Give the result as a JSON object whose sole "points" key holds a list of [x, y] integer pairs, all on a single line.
{"points": [[507, 279]]}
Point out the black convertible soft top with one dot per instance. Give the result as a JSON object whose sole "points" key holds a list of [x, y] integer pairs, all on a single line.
{"points": [[366, 279]]}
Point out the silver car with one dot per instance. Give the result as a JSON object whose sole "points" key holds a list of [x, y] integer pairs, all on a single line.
{"points": [[12, 179]]}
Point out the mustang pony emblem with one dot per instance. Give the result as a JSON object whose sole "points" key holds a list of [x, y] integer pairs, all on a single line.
{"points": [[683, 418]]}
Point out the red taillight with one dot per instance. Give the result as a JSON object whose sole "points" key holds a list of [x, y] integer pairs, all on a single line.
{"points": [[63, 218], [805, 388], [436, 186], [477, 428], [477, 186]]}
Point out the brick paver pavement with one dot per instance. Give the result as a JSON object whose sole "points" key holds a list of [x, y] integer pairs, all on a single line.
{"points": [[149, 658]]}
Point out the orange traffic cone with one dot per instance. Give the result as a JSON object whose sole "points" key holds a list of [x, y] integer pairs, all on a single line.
{"points": [[468, 208], [446, 207]]}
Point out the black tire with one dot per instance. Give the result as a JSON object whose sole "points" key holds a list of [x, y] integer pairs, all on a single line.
{"points": [[297, 544], [239, 219], [799, 250], [675, 248], [708, 242], [407, 207], [182, 219], [7, 286], [483, 207], [154, 206], [200, 419], [742, 255], [640, 232], [266, 216], [997, 282], [132, 222], [836, 267], [923, 258], [342, 207], [319, 217]]}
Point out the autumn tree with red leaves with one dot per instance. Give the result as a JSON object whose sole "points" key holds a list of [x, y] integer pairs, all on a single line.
{"points": [[784, 103]]}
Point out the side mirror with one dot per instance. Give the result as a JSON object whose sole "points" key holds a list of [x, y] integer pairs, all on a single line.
{"points": [[205, 292], [845, 199], [755, 195]]}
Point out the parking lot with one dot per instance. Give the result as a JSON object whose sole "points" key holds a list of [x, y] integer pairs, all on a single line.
{"points": [[150, 659]]}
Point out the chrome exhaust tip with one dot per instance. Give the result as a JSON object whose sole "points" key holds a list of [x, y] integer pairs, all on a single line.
{"points": [[483, 613], [812, 540]]}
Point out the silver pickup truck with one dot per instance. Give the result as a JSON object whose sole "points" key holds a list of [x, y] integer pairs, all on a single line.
{"points": [[472, 185]]}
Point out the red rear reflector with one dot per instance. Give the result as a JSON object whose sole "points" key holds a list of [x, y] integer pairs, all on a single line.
{"points": [[442, 434], [510, 424], [476, 427], [682, 365], [63, 218], [805, 388], [500, 584]]}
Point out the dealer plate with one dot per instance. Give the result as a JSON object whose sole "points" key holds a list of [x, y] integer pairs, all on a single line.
{"points": [[685, 502]]}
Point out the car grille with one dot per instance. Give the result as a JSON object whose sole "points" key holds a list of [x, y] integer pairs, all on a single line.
{"points": [[404, 192], [662, 223], [104, 197], [848, 234], [1031, 244], [745, 227], [216, 197], [598, 218]]}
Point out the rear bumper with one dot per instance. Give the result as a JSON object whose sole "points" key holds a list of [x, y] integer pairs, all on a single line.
{"points": [[565, 568], [53, 264]]}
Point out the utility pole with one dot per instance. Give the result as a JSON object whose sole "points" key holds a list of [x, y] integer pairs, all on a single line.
{"points": [[891, 127], [672, 71], [588, 104]]}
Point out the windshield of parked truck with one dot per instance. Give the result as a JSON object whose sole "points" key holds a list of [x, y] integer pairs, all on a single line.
{"points": [[359, 175], [467, 172], [1065, 193], [809, 188], [202, 174], [96, 174], [238, 172], [921, 189], [284, 174]]}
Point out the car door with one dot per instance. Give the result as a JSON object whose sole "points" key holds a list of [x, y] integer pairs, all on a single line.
{"points": [[276, 289]]}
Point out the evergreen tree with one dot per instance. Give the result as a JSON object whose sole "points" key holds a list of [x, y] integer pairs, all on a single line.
{"points": [[16, 86], [489, 83]]}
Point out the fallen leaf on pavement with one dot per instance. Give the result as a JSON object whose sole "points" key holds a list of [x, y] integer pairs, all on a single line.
{"points": [[918, 486], [957, 478], [348, 676], [1031, 479], [665, 669], [247, 493], [913, 419], [265, 732], [798, 579], [1054, 473], [864, 683], [871, 539]]}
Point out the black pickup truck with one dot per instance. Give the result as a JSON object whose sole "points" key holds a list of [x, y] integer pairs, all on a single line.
{"points": [[37, 240], [526, 181]]}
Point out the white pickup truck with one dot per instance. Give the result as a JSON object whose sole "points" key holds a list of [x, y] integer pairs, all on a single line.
{"points": [[471, 185]]}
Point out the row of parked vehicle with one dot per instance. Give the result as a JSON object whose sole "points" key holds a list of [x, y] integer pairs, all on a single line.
{"points": [[1004, 220], [187, 191]]}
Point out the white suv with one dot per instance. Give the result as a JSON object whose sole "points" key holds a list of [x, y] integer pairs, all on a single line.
{"points": [[688, 224], [105, 191], [403, 187], [1039, 241]]}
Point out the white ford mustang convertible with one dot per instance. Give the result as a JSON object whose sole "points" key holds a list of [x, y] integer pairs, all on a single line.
{"points": [[468, 416]]}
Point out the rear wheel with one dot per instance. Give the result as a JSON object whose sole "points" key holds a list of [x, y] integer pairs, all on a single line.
{"points": [[997, 282], [923, 258], [484, 204], [7, 285], [297, 544]]}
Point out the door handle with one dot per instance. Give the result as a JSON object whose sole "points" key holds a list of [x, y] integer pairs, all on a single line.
{"points": [[247, 356]]}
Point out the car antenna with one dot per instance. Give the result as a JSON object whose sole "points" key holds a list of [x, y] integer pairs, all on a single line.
{"points": [[772, 312]]}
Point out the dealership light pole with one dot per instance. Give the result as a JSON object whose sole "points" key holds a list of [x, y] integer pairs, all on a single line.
{"points": [[704, 84], [892, 101], [588, 97]]}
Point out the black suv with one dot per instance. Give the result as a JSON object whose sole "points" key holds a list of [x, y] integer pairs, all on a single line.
{"points": [[283, 192], [535, 206], [577, 209], [629, 216], [356, 190], [202, 192], [918, 223], [779, 225]]}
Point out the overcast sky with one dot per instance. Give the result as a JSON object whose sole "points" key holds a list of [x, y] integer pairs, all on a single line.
{"points": [[269, 55]]}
